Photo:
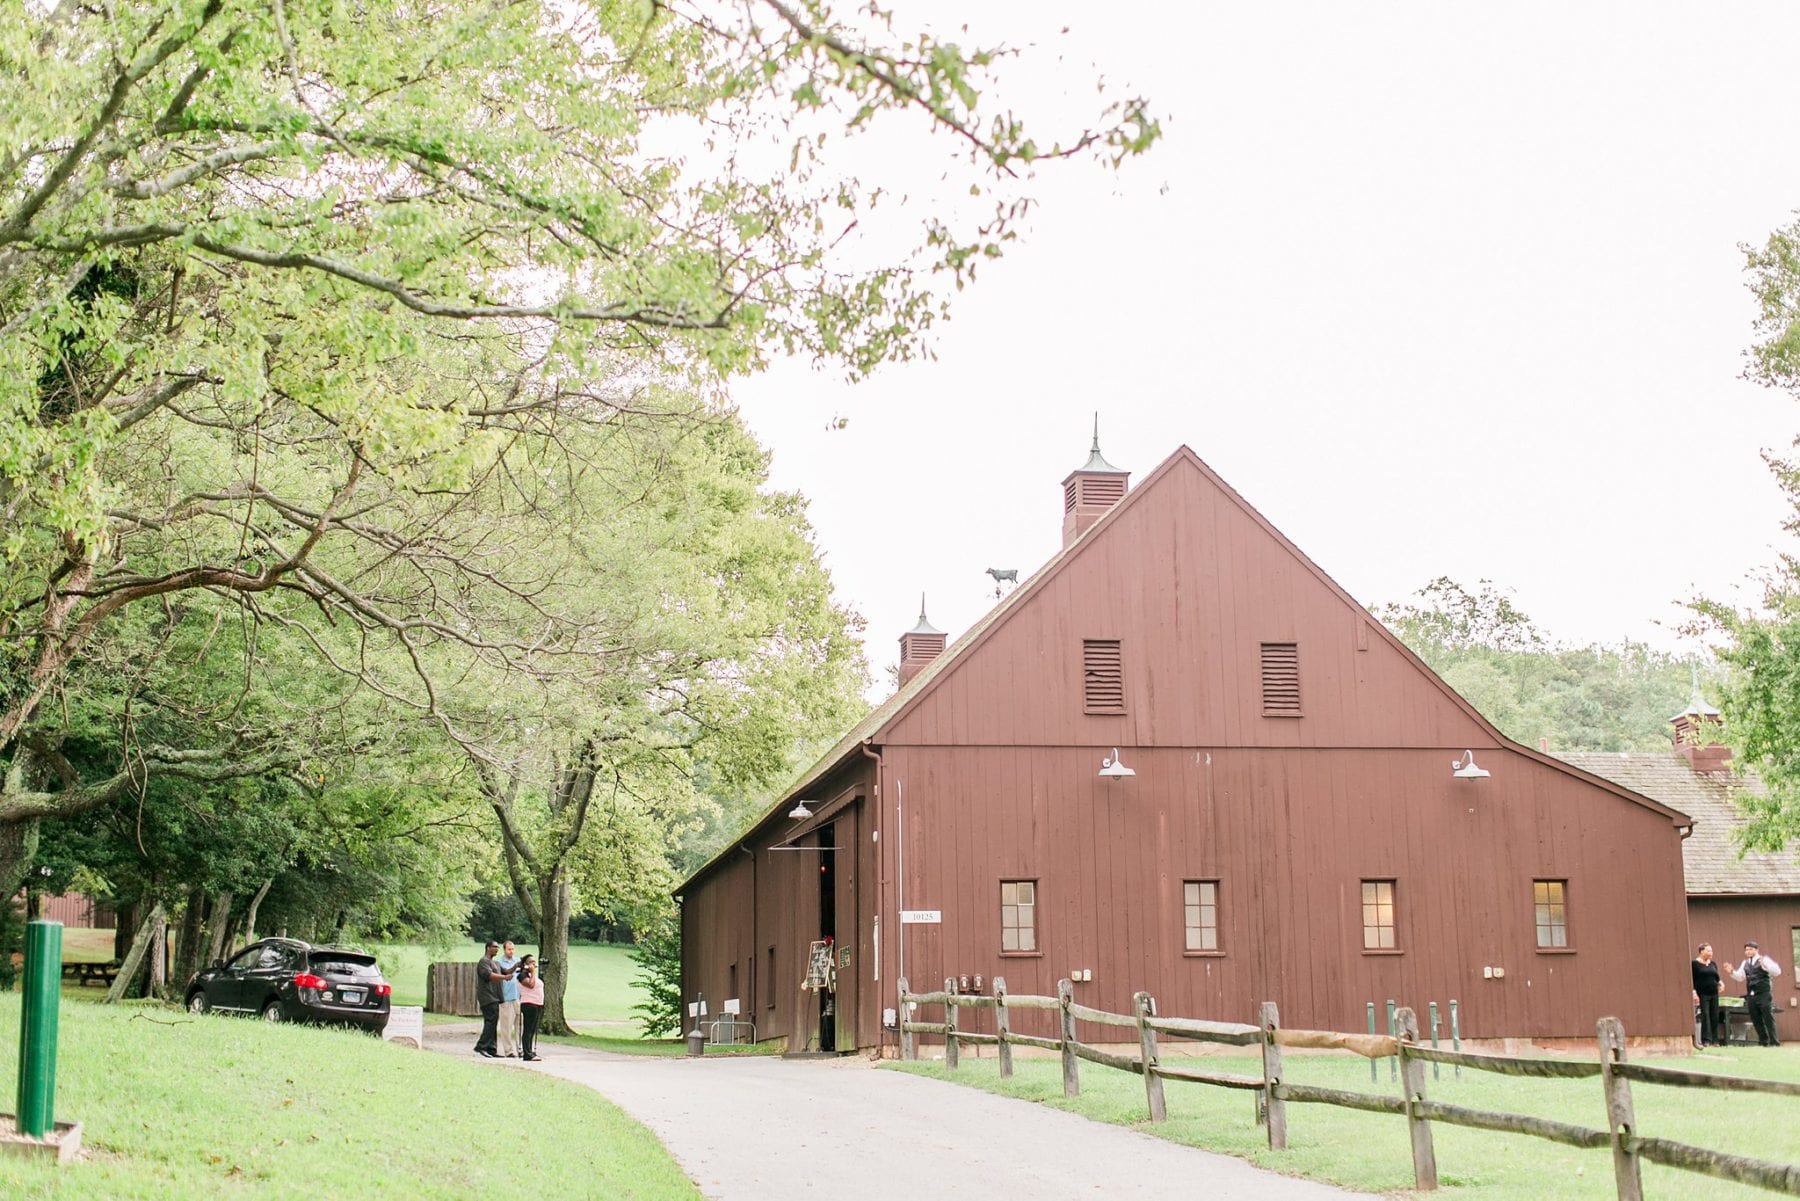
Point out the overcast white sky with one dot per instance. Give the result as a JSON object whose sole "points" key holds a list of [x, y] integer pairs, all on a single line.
{"points": [[1441, 289]]}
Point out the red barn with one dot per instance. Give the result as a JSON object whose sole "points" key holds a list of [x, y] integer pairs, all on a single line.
{"points": [[1293, 829]]}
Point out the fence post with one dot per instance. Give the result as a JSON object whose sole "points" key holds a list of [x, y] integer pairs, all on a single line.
{"points": [[1434, 1029], [1002, 1027], [1372, 1067], [950, 1047], [1412, 1072], [1619, 1115], [907, 1049], [1274, 1106], [1145, 1008], [1065, 993]]}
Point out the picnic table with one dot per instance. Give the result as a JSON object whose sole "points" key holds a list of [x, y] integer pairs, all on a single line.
{"points": [[84, 973]]}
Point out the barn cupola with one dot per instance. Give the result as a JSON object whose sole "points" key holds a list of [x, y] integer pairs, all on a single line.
{"points": [[919, 646], [1091, 489], [1696, 733]]}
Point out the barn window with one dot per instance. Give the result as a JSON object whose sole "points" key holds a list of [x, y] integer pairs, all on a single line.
{"points": [[1281, 679], [1795, 932], [1102, 675], [1551, 900], [732, 992], [1018, 916], [769, 982], [1200, 914], [1378, 915]]}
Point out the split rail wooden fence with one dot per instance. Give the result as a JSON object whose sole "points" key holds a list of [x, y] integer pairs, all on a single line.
{"points": [[1616, 1073]]}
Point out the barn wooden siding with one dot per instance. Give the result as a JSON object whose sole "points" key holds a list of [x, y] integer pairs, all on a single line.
{"points": [[1772, 922], [1289, 836], [750, 904], [997, 756]]}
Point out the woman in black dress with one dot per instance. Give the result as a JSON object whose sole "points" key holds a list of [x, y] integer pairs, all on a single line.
{"points": [[1706, 996]]}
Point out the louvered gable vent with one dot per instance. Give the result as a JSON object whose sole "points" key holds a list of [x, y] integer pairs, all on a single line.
{"points": [[1281, 679], [1102, 676]]}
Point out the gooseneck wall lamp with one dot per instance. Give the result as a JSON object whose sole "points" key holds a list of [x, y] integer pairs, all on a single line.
{"points": [[1465, 769], [1112, 769]]}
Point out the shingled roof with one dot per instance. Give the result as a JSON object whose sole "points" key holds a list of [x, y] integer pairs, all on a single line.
{"points": [[1710, 854]]}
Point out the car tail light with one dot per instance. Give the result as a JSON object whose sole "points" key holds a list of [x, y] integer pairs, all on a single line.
{"points": [[308, 980], [382, 990]]}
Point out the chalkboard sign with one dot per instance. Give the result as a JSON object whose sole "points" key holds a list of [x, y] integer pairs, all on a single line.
{"points": [[818, 966]]}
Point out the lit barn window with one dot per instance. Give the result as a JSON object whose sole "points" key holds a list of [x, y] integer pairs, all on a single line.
{"points": [[1018, 915], [1200, 914], [1378, 915], [1550, 899]]}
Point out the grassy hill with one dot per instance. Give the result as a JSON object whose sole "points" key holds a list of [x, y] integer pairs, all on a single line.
{"points": [[179, 1107]]}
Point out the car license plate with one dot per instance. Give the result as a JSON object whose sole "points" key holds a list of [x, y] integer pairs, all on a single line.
{"points": [[353, 996]]}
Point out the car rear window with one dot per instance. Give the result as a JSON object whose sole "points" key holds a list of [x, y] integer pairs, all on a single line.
{"points": [[338, 963]]}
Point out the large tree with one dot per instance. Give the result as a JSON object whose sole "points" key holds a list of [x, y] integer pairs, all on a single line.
{"points": [[1760, 698], [711, 654], [282, 285]]}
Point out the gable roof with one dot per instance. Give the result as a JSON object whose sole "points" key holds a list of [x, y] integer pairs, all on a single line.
{"points": [[1710, 853], [884, 715]]}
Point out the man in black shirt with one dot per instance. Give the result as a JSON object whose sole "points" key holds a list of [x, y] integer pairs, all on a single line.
{"points": [[488, 979], [1756, 974]]}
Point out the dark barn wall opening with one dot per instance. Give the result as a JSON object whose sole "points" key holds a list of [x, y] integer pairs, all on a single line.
{"points": [[827, 997]]}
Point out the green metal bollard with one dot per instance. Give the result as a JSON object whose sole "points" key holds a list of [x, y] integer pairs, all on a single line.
{"points": [[1434, 1029], [37, 1028], [1455, 1036], [1393, 1060], [1371, 1035]]}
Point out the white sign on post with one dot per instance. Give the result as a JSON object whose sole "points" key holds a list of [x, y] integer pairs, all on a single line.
{"points": [[406, 1024], [921, 917]]}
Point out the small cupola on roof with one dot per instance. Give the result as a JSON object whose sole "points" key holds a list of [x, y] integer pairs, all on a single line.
{"points": [[1091, 489], [1695, 731], [919, 646]]}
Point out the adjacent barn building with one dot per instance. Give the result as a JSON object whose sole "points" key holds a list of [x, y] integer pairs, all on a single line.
{"points": [[1733, 896], [1180, 758]]}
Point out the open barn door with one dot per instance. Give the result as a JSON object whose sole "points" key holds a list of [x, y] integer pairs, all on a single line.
{"points": [[846, 940]]}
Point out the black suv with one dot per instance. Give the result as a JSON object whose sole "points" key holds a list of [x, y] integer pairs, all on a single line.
{"points": [[283, 980]]}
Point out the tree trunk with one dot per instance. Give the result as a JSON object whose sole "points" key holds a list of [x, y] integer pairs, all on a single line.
{"points": [[18, 843], [159, 957], [218, 925], [255, 904], [134, 958], [553, 952], [187, 945], [125, 920]]}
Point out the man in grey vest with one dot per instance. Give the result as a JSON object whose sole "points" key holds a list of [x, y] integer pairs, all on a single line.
{"points": [[1757, 974]]}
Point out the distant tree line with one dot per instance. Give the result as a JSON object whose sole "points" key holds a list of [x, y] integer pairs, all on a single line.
{"points": [[1600, 697]]}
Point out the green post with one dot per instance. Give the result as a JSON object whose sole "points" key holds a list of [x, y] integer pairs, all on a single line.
{"points": [[1371, 1035], [1455, 1036], [1393, 1060], [37, 1028], [1434, 1029]]}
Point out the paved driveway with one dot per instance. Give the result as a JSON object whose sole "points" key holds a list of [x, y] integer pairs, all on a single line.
{"points": [[765, 1129]]}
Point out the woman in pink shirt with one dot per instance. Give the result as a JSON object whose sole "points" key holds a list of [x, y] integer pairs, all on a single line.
{"points": [[531, 1004]]}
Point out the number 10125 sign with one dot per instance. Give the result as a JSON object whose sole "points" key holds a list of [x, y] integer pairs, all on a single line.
{"points": [[921, 917]]}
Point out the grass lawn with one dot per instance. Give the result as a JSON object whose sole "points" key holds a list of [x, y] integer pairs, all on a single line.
{"points": [[1371, 1152], [601, 989], [180, 1107]]}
